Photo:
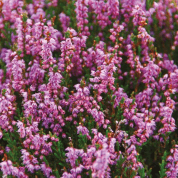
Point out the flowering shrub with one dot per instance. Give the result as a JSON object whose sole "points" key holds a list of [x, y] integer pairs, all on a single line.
{"points": [[88, 88]]}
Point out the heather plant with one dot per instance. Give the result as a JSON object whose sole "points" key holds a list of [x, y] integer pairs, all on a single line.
{"points": [[88, 88]]}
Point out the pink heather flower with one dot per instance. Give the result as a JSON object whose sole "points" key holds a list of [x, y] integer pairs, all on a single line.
{"points": [[35, 127], [65, 20], [172, 164], [54, 80], [1, 134], [16, 67], [8, 169], [144, 36], [15, 171], [54, 4], [39, 13], [86, 91], [52, 176], [66, 175], [151, 71], [46, 170], [98, 116], [25, 157], [77, 170], [119, 95], [30, 168], [81, 15], [37, 167], [101, 163], [7, 149], [36, 74], [113, 8], [46, 52], [30, 108], [5, 168], [84, 131], [73, 154], [19, 26], [139, 15], [37, 29], [21, 129]]}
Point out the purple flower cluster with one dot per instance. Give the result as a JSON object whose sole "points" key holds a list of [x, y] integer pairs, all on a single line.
{"points": [[88, 87]]}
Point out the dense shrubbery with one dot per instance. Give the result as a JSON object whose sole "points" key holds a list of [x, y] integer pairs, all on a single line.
{"points": [[88, 88]]}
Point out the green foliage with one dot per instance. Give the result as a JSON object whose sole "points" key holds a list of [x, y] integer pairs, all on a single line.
{"points": [[119, 169], [45, 160], [149, 3], [3, 92], [5, 41], [27, 58], [15, 145], [24, 17], [29, 1], [57, 158], [46, 78], [122, 171], [82, 142], [19, 52], [67, 34], [3, 67], [162, 171], [57, 173]]}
